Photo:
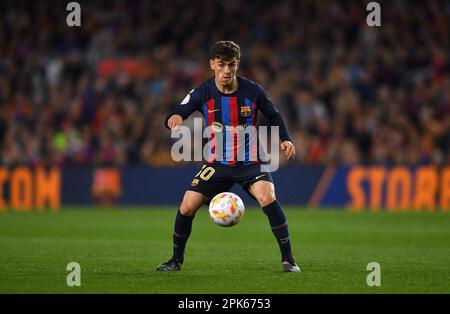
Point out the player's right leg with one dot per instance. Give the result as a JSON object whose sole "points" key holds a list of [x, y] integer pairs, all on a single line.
{"points": [[191, 202], [209, 181]]}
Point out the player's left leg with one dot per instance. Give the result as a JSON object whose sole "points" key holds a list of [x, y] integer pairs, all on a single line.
{"points": [[264, 192]]}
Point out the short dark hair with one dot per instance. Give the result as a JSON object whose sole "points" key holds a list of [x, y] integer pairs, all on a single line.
{"points": [[226, 50]]}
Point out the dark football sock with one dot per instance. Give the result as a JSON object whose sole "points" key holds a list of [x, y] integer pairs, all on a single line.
{"points": [[182, 231], [279, 225]]}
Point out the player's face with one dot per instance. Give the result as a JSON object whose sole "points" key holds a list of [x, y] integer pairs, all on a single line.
{"points": [[225, 70]]}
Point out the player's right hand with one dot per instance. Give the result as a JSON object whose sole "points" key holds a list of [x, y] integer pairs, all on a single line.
{"points": [[174, 122]]}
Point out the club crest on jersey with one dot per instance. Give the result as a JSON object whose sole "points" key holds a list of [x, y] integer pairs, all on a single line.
{"points": [[246, 111]]}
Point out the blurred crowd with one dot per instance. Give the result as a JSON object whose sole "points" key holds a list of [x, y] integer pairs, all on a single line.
{"points": [[99, 93]]}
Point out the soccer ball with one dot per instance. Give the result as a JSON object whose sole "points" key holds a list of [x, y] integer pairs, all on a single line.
{"points": [[226, 209]]}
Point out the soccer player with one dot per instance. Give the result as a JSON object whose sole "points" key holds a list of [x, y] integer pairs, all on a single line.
{"points": [[228, 101]]}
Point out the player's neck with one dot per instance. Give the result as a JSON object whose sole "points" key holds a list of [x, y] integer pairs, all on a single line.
{"points": [[227, 89]]}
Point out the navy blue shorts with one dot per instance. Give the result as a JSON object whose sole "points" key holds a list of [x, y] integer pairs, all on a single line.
{"points": [[216, 178]]}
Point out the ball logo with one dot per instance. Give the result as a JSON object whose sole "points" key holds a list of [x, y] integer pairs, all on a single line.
{"points": [[226, 209]]}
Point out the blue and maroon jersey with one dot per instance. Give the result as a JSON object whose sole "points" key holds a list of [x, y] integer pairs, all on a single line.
{"points": [[229, 114]]}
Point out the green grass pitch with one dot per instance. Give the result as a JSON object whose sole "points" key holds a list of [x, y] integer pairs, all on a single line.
{"points": [[119, 249]]}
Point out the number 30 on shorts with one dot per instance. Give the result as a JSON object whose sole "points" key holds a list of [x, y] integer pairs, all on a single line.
{"points": [[206, 173]]}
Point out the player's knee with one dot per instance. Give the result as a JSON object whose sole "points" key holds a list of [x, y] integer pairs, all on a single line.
{"points": [[188, 208], [266, 199]]}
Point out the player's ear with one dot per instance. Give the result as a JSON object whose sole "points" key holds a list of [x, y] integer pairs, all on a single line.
{"points": [[212, 64], [238, 62]]}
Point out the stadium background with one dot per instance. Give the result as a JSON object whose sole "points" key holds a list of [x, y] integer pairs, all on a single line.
{"points": [[90, 101], [82, 144]]}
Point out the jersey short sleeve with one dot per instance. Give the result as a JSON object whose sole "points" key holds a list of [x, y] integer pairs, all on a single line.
{"points": [[192, 102]]}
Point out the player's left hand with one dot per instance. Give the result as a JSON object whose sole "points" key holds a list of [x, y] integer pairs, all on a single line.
{"points": [[288, 148]]}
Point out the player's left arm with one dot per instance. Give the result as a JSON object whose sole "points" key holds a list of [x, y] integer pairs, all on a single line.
{"points": [[269, 110]]}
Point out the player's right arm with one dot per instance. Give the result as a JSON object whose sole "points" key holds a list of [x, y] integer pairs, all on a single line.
{"points": [[191, 103], [174, 122]]}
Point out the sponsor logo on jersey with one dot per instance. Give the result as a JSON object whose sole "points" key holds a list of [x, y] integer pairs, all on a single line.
{"points": [[236, 128], [217, 126]]}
